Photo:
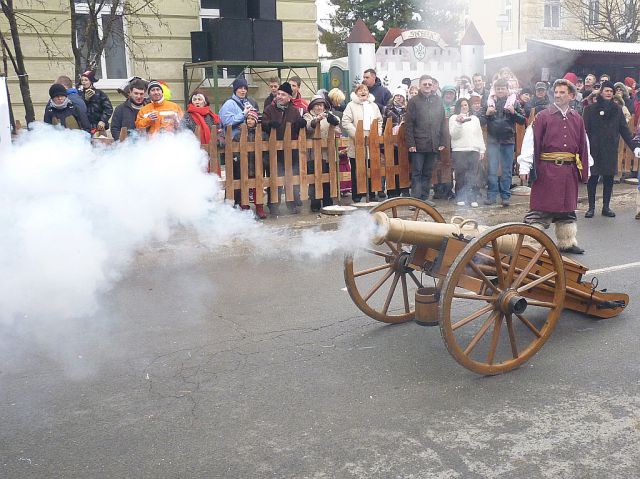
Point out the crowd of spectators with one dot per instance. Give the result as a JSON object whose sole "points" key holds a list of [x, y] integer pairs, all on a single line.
{"points": [[443, 126]]}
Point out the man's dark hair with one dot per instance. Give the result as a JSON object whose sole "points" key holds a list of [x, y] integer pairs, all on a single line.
{"points": [[65, 81], [138, 84], [372, 71], [500, 82], [478, 75], [458, 107]]}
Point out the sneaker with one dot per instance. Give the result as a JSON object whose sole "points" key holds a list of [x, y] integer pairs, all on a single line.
{"points": [[474, 204], [489, 202], [461, 203], [505, 202], [572, 249]]}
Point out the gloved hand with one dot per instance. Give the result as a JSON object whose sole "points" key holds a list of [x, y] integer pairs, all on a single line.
{"points": [[636, 152]]}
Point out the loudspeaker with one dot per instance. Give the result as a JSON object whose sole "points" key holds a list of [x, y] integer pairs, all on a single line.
{"points": [[233, 9], [200, 47], [262, 9], [231, 39], [267, 40]]}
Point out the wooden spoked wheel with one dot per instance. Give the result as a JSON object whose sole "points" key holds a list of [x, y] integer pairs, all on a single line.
{"points": [[493, 319], [378, 279]]}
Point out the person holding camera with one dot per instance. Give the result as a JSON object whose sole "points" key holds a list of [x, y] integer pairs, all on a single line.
{"points": [[235, 110], [467, 151], [501, 121]]}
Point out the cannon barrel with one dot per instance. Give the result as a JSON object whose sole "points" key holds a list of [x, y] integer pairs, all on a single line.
{"points": [[422, 233]]}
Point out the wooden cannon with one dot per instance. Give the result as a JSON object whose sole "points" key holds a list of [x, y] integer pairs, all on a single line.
{"points": [[497, 293]]}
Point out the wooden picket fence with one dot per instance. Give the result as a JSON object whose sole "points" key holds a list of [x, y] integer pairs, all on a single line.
{"points": [[376, 147]]}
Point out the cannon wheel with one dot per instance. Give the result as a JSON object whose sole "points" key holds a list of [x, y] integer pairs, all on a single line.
{"points": [[499, 328], [388, 268]]}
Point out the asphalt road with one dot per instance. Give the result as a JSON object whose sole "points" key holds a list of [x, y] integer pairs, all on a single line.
{"points": [[234, 365]]}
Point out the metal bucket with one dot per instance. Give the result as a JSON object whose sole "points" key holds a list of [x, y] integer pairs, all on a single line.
{"points": [[427, 306]]}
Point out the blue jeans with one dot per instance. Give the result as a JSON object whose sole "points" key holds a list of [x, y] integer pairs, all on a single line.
{"points": [[421, 170], [500, 154]]}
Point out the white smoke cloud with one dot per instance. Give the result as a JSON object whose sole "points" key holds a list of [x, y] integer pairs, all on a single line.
{"points": [[72, 217]]}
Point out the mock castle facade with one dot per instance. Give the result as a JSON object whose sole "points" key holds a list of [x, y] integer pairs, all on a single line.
{"points": [[412, 53]]}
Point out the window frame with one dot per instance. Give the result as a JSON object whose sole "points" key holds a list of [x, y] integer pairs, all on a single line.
{"points": [[593, 12], [82, 8], [507, 8], [551, 5]]}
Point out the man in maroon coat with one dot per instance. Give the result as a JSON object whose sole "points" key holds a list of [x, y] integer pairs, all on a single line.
{"points": [[560, 162]]}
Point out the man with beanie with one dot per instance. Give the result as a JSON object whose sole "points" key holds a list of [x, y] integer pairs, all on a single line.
{"points": [[540, 99], [72, 93], [125, 114], [61, 111], [234, 111], [159, 115], [555, 154], [605, 123], [276, 116]]}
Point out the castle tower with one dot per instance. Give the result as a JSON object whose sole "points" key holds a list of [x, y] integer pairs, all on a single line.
{"points": [[472, 51], [361, 48]]}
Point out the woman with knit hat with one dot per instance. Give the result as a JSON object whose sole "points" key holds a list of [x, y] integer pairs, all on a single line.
{"points": [[99, 108], [61, 111], [234, 111], [396, 109], [318, 114]]}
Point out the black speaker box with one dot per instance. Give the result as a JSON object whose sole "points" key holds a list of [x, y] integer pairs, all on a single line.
{"points": [[262, 9], [200, 47], [267, 40], [231, 39], [233, 9]]}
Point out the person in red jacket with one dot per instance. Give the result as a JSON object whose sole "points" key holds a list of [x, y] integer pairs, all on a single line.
{"points": [[199, 114]]}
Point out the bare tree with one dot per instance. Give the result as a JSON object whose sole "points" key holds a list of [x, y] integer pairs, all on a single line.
{"points": [[96, 24], [16, 56], [607, 20]]}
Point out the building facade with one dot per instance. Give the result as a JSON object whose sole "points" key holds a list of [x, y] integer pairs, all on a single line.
{"points": [[154, 48]]}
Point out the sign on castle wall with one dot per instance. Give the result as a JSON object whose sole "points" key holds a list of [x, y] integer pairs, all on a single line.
{"points": [[426, 34]]}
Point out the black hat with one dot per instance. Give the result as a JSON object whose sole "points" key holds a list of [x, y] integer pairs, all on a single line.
{"points": [[607, 84], [526, 90], [57, 90], [285, 87]]}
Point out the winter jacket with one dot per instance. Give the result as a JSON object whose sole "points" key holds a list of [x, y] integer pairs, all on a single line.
{"points": [[232, 113], [77, 100], [540, 103], [169, 116], [381, 94], [268, 101], [275, 118], [188, 121], [466, 136], [69, 117], [353, 113], [604, 123], [501, 126], [628, 101], [426, 124], [124, 116], [312, 122], [99, 107], [396, 113]]}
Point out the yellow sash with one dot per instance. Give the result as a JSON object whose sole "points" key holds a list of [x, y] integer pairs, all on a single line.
{"points": [[562, 156]]}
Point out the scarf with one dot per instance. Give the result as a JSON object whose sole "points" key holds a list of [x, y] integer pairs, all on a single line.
{"points": [[199, 114], [65, 104]]}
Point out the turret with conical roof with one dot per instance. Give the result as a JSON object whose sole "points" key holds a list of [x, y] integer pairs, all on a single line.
{"points": [[361, 48], [472, 51]]}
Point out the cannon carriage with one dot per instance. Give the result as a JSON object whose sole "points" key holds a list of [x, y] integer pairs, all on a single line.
{"points": [[496, 293]]}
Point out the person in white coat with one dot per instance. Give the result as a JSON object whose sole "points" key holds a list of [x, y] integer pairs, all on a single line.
{"points": [[467, 150], [361, 107]]}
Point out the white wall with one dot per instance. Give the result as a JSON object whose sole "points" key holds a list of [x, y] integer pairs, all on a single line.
{"points": [[5, 125]]}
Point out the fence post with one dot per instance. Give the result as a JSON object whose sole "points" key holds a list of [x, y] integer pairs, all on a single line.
{"points": [[228, 162], [390, 167], [361, 161], [333, 162], [301, 145], [124, 134], [376, 170], [244, 165], [259, 169], [273, 167], [403, 158], [212, 151], [288, 164]]}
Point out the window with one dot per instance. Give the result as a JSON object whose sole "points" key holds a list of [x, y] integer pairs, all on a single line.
{"points": [[113, 63], [594, 12], [552, 14], [508, 9], [209, 9]]}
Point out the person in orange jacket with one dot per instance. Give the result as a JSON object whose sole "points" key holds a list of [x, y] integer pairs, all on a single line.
{"points": [[160, 114]]}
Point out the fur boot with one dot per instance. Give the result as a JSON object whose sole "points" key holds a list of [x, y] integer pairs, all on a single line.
{"points": [[566, 236]]}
